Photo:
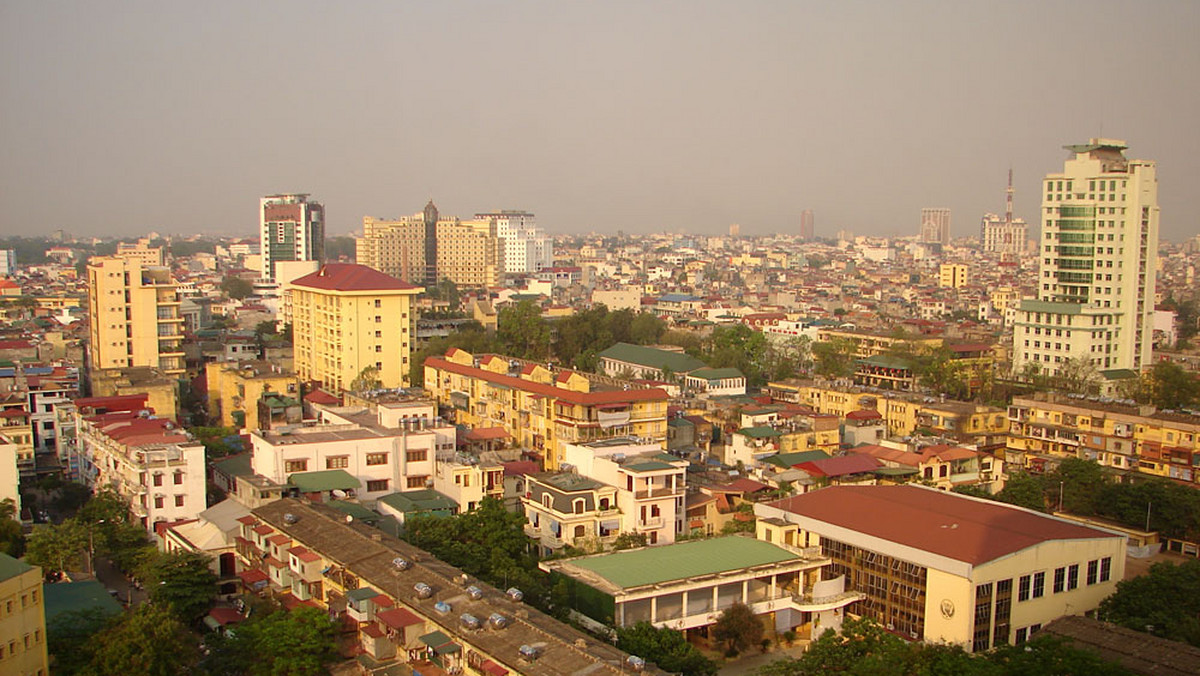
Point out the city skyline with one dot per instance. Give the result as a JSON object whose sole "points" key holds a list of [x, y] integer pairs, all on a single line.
{"points": [[622, 117]]}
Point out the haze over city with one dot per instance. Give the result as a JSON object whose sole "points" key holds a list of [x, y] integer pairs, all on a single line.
{"points": [[642, 117]]}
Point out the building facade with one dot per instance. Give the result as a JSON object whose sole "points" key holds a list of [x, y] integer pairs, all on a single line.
{"points": [[347, 318], [134, 316], [1098, 253], [234, 388], [935, 225], [22, 619], [291, 228]]}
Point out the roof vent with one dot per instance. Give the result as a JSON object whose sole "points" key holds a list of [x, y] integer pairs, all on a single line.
{"points": [[474, 592], [290, 519], [497, 621], [469, 621], [636, 664], [442, 607], [401, 563], [423, 590], [515, 594], [530, 652]]}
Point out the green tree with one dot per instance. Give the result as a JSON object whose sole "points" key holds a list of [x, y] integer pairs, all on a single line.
{"points": [[57, 547], [1169, 386], [148, 641], [180, 581], [297, 643], [367, 379], [470, 336], [666, 648], [646, 329], [522, 332], [1024, 490], [12, 539], [236, 287], [1164, 602], [834, 358], [738, 628], [1051, 656], [1081, 483], [629, 540], [69, 638]]}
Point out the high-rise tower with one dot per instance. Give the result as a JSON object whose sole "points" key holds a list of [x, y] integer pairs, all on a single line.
{"points": [[1008, 235], [1098, 253], [806, 225], [291, 228], [935, 225]]}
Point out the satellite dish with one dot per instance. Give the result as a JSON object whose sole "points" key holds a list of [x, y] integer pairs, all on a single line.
{"points": [[339, 494], [349, 518]]}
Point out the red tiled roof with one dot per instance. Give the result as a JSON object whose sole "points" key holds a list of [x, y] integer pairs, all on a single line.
{"points": [[14, 413], [570, 396], [745, 485], [487, 434], [840, 465], [372, 630], [351, 277], [225, 616], [961, 528], [14, 344], [252, 576], [321, 397], [863, 415], [398, 618], [521, 467]]}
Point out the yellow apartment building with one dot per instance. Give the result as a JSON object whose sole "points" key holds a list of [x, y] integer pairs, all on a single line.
{"points": [[234, 389], [952, 275], [542, 409], [161, 390], [1047, 427], [468, 253], [347, 318], [393, 247], [22, 619], [134, 316]]}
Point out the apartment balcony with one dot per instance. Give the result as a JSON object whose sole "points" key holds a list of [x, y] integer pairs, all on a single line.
{"points": [[650, 523], [816, 604], [658, 492]]}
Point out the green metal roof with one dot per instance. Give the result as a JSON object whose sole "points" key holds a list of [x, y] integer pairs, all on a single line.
{"points": [[421, 500], [66, 597], [651, 565], [235, 465], [435, 639], [652, 357], [790, 459], [648, 466], [355, 510], [1051, 307], [887, 362], [361, 594], [324, 480], [10, 567], [571, 482], [716, 374], [1118, 374], [760, 432]]}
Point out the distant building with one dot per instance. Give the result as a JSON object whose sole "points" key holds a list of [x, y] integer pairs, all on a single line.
{"points": [[524, 247], [235, 387], [427, 247], [952, 276], [935, 225], [8, 261], [999, 236], [142, 251], [291, 228], [1098, 257], [806, 224]]}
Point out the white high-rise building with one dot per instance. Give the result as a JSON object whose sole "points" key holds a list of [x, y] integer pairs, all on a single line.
{"points": [[935, 225], [1098, 253], [525, 248], [291, 228]]}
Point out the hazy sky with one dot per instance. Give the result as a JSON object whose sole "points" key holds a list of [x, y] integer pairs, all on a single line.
{"points": [[125, 117]]}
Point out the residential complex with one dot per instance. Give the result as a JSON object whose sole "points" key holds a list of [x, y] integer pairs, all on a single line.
{"points": [[291, 228], [542, 410], [134, 316], [22, 619], [1098, 252], [348, 318], [235, 387]]}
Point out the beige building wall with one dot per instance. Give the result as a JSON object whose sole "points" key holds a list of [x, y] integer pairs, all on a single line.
{"points": [[468, 253], [237, 386], [134, 316], [393, 247]]}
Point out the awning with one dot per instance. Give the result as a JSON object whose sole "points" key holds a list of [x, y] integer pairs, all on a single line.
{"points": [[254, 578], [435, 638], [325, 480]]}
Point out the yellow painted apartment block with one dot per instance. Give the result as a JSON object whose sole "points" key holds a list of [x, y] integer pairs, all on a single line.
{"points": [[22, 619], [134, 316], [234, 389], [542, 410], [1047, 427], [347, 318]]}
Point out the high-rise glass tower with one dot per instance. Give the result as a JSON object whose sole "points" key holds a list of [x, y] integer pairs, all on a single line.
{"points": [[291, 228]]}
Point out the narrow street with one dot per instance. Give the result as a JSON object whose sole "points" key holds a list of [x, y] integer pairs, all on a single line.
{"points": [[109, 576]]}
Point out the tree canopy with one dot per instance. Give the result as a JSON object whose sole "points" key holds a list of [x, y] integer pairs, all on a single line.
{"points": [[1164, 602], [180, 581], [149, 640], [301, 642], [738, 628], [666, 648]]}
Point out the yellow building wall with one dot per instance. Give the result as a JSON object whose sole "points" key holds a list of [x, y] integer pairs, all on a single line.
{"points": [[23, 630], [229, 390], [956, 626]]}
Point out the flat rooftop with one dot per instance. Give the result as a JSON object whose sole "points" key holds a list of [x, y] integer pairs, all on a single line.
{"points": [[680, 561]]}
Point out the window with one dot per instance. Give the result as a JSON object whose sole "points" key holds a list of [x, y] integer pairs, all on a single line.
{"points": [[1060, 579], [377, 458], [290, 466], [158, 502], [1022, 634], [1092, 570], [377, 485], [378, 303], [415, 482], [1072, 576], [1023, 588], [1105, 569], [178, 500], [157, 479], [337, 462], [416, 456], [1039, 585], [178, 478], [578, 505]]}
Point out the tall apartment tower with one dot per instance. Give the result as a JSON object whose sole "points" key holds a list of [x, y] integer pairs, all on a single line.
{"points": [[430, 222], [524, 247], [935, 225], [1006, 235], [1098, 254], [395, 247], [806, 224], [291, 228], [134, 317], [465, 252]]}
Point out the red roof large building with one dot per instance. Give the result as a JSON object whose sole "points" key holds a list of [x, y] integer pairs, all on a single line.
{"points": [[948, 568]]}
